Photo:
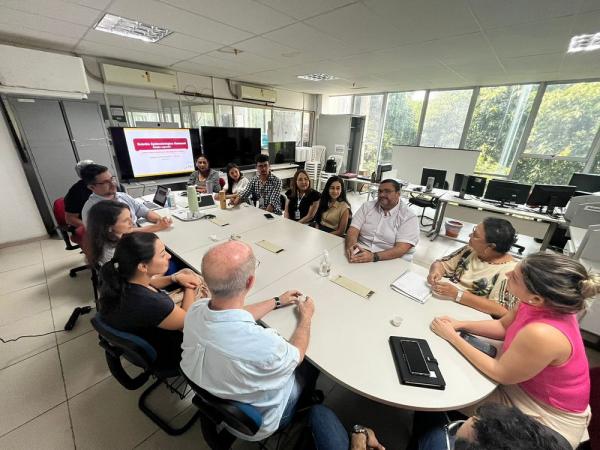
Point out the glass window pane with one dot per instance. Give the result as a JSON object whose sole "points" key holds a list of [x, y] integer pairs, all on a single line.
{"points": [[287, 126], [170, 110], [567, 121], [254, 118], [370, 106], [339, 105], [224, 115], [202, 115], [497, 126], [549, 171], [445, 118], [306, 129], [596, 166], [401, 121]]}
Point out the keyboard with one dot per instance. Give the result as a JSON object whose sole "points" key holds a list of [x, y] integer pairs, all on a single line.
{"points": [[152, 205]]}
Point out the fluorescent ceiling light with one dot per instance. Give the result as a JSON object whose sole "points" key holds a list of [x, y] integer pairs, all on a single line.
{"points": [[584, 43], [131, 28], [318, 77]]}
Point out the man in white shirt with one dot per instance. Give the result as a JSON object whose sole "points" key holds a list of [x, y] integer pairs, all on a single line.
{"points": [[228, 354], [383, 229], [103, 185]]}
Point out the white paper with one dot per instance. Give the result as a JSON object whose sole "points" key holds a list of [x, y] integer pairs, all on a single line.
{"points": [[412, 285]]}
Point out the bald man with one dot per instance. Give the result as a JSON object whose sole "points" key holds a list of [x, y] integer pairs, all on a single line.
{"points": [[228, 354]]}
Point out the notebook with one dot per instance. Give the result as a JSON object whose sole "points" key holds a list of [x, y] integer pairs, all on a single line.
{"points": [[413, 285]]}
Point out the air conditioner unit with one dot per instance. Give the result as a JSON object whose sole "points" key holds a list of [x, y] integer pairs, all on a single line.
{"points": [[41, 74], [256, 93], [145, 79]]}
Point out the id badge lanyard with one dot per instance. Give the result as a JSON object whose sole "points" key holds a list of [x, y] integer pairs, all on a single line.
{"points": [[297, 214]]}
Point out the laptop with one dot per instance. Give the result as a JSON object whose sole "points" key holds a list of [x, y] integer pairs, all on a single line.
{"points": [[205, 201], [159, 200]]}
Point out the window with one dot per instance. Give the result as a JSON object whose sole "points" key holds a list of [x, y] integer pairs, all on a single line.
{"points": [[196, 115], [497, 126], [170, 111], [567, 121], [445, 118], [141, 109], [339, 105], [549, 171], [371, 107], [287, 126], [306, 129], [224, 115], [596, 166], [254, 118], [401, 121]]}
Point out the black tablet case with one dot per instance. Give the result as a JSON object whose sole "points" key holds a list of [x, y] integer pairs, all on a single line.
{"points": [[404, 374]]}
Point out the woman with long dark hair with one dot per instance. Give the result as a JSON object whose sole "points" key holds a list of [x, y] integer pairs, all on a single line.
{"points": [[302, 200], [131, 299], [334, 210], [205, 179], [236, 181], [108, 221], [542, 369]]}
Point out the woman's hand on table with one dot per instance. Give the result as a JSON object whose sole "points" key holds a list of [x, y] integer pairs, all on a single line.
{"points": [[444, 327], [444, 289]]}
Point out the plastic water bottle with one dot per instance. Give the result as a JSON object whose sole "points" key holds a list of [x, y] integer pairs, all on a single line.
{"points": [[172, 201], [325, 266]]}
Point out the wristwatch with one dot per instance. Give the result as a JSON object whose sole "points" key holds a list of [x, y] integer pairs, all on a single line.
{"points": [[458, 297], [359, 429], [375, 257], [277, 303]]}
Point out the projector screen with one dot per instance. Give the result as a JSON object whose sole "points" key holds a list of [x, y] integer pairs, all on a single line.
{"points": [[155, 152]]}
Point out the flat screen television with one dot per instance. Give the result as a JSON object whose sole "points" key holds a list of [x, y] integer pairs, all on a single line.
{"points": [[282, 152], [224, 145], [155, 152]]}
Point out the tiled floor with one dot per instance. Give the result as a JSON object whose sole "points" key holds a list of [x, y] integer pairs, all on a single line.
{"points": [[57, 392]]}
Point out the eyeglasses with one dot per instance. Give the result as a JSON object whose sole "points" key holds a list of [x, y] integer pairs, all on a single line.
{"points": [[386, 191], [450, 431], [113, 180]]}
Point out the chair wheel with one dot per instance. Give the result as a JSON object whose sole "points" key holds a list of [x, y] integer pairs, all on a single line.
{"points": [[72, 274]]}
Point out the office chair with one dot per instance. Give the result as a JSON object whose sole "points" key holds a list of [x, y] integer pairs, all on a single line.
{"points": [[73, 239], [216, 411], [119, 344], [424, 202]]}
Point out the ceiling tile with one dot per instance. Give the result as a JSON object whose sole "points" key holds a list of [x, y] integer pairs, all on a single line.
{"points": [[274, 50], [478, 71], [204, 69], [587, 23], [124, 53], [41, 23], [242, 62], [310, 41], [358, 27], [497, 14], [256, 18], [533, 38], [56, 9], [96, 4], [542, 63], [192, 44], [424, 20], [305, 8], [156, 13], [15, 34]]}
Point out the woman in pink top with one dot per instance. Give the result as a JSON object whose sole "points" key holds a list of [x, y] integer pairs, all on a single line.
{"points": [[542, 369]]}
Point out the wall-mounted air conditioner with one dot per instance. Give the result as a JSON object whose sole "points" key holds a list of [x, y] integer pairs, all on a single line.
{"points": [[256, 93], [145, 79], [41, 74]]}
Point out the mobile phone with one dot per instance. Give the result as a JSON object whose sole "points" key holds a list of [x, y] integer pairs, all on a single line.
{"points": [[479, 344], [269, 216], [415, 360]]}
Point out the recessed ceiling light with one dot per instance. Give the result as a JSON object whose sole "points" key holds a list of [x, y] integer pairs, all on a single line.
{"points": [[584, 43], [318, 77], [131, 28]]}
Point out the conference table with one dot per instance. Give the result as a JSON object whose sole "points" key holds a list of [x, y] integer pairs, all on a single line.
{"points": [[349, 334]]}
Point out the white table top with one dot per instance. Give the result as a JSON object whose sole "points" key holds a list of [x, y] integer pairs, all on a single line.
{"points": [[349, 336]]}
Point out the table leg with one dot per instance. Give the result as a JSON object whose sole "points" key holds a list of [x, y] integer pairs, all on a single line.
{"points": [[441, 211], [549, 232]]}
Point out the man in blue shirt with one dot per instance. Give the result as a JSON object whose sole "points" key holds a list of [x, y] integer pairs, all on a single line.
{"points": [[228, 354]]}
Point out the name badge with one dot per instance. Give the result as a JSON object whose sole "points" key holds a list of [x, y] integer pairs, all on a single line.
{"points": [[297, 214]]}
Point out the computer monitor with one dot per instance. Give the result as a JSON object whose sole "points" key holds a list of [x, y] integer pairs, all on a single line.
{"points": [[507, 192], [381, 169], [468, 184], [550, 195], [585, 182], [439, 175]]}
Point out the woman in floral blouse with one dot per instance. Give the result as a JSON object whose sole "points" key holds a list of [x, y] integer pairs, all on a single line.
{"points": [[476, 273]]}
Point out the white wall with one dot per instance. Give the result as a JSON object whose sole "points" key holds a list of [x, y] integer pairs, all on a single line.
{"points": [[20, 218]]}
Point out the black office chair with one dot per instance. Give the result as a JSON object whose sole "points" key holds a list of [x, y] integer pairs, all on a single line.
{"points": [[282, 199], [140, 353], [424, 201], [216, 411]]}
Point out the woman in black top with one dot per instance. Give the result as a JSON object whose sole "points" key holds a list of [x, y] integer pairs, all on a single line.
{"points": [[131, 299], [302, 200]]}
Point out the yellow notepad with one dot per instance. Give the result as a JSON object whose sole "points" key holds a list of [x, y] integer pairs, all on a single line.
{"points": [[270, 246], [353, 286], [220, 222]]}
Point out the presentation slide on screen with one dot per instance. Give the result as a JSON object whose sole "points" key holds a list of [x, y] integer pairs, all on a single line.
{"points": [[155, 151]]}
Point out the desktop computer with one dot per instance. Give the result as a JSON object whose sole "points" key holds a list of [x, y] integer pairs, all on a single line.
{"points": [[585, 182], [439, 177], [503, 191], [551, 196], [468, 184]]}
